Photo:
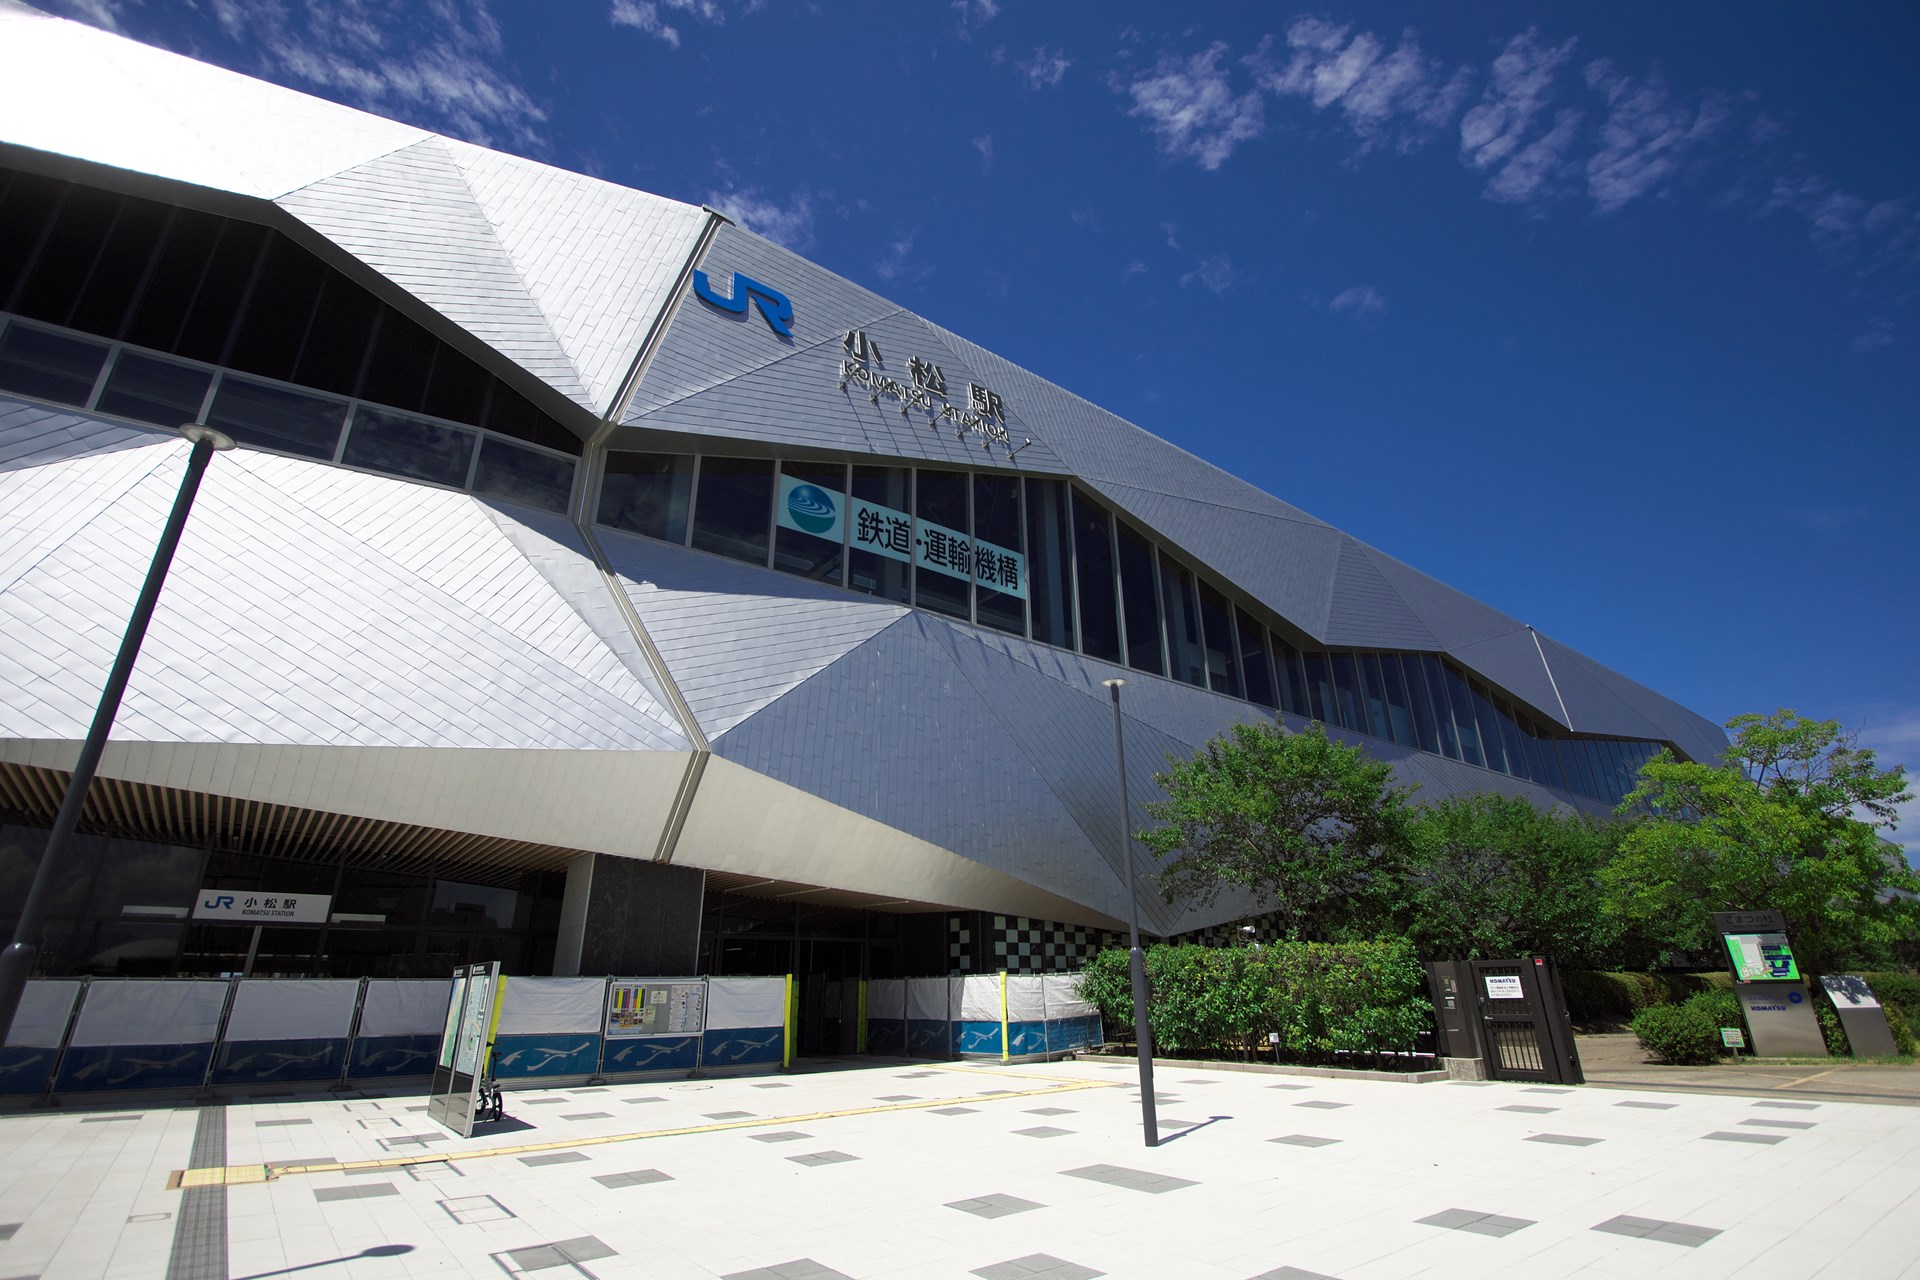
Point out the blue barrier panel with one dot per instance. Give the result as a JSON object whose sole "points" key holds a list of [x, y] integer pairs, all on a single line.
{"points": [[977, 1039], [142, 1033], [1026, 1038], [743, 1046], [133, 1066], [1064, 1034], [25, 1070], [39, 1029], [264, 1061], [887, 1036], [549, 1054], [387, 1057], [929, 1039], [652, 1053]]}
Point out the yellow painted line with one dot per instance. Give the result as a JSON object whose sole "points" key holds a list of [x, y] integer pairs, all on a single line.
{"points": [[237, 1174], [1818, 1075]]}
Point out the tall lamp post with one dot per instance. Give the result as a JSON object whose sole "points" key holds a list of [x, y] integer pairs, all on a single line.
{"points": [[1142, 1033], [17, 961]]}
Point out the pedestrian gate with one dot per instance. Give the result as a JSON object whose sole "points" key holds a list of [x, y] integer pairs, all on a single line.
{"points": [[1523, 1021]]}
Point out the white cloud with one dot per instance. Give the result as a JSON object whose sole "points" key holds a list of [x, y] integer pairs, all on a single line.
{"points": [[1400, 98], [1531, 175], [1173, 234], [789, 224], [1877, 335], [1362, 302], [650, 17], [1894, 735], [1646, 135], [1518, 90], [442, 65], [975, 13], [104, 14], [1216, 274], [984, 145], [1132, 269], [1045, 69], [1192, 109], [898, 263]]}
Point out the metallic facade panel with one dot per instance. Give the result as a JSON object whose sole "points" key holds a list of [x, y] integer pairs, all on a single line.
{"points": [[71, 90], [410, 216], [1512, 661], [735, 637], [1601, 700], [33, 435], [1366, 612]]}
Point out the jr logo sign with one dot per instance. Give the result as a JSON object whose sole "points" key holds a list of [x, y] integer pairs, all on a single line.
{"points": [[773, 304]]}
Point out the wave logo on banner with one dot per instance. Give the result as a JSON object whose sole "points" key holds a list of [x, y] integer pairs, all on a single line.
{"points": [[812, 509]]}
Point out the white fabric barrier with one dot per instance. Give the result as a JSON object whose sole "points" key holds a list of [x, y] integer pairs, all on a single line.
{"points": [[927, 999], [404, 1007], [292, 1009], [150, 1011], [887, 998], [979, 997], [45, 1007], [735, 1004], [539, 1006], [1063, 996], [1026, 999]]}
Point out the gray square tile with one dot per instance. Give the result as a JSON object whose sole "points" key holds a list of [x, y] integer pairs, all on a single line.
{"points": [[636, 1101], [1648, 1106], [1321, 1104], [1542, 1089], [365, 1191], [1132, 1179], [284, 1124], [553, 1157], [782, 1135], [1050, 1111], [728, 1115], [304, 1160], [414, 1140], [773, 1084], [111, 1119], [472, 1210], [1037, 1266], [953, 1111], [1526, 1110], [1289, 1086], [994, 1206], [595, 1089], [1198, 1081], [1781, 1124], [1304, 1140], [1043, 1131], [7, 1229], [899, 1097], [1760, 1139], [436, 1171], [798, 1269], [1292, 1273], [1683, 1234], [634, 1178], [560, 1253], [1790, 1106], [816, 1158], [1172, 1122], [917, 1075], [1562, 1139], [1475, 1222], [589, 1115], [546, 1102]]}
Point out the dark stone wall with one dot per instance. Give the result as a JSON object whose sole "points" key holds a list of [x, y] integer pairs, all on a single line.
{"points": [[643, 919]]}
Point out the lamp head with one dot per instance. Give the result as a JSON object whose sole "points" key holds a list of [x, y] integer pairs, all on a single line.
{"points": [[199, 431], [1114, 683]]}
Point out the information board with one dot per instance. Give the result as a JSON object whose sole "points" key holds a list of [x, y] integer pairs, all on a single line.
{"points": [[636, 1009], [1504, 986], [453, 1099], [1762, 957]]}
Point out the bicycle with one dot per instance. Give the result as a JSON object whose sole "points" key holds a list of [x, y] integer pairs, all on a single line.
{"points": [[491, 1103]]}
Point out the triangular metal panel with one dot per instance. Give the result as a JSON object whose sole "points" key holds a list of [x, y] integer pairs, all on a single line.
{"points": [[1453, 618], [43, 505], [32, 435], [1365, 612], [599, 260], [735, 637], [1513, 663], [1288, 565], [1601, 700], [895, 731], [410, 216], [69, 89]]}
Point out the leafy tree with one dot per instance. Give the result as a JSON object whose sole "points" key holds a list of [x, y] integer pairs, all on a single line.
{"points": [[1314, 829], [1495, 876], [1790, 824]]}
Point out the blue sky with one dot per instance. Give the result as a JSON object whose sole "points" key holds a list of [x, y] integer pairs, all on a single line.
{"points": [[1603, 314]]}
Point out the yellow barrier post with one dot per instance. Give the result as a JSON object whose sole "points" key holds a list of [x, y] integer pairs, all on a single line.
{"points": [[1006, 1041], [793, 1017]]}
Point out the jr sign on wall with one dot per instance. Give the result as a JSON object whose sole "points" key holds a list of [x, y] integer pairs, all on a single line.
{"points": [[237, 906]]}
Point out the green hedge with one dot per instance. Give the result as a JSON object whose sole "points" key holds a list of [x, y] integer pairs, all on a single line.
{"points": [[1594, 997], [1683, 1034], [1322, 999]]}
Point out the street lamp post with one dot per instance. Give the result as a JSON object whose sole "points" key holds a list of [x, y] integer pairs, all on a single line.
{"points": [[1142, 1032], [17, 961]]}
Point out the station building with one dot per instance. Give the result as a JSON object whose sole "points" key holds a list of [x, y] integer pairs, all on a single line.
{"points": [[601, 588]]}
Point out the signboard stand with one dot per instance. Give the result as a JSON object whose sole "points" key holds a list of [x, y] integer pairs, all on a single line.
{"points": [[464, 1044], [1861, 1016], [1766, 977]]}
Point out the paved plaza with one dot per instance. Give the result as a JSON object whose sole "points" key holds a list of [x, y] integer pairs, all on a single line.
{"points": [[911, 1170]]}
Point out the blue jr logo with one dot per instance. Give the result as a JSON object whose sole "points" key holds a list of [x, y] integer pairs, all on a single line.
{"points": [[216, 904], [773, 304]]}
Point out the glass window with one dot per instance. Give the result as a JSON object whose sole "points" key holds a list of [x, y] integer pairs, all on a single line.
{"points": [[648, 494], [59, 274], [512, 474], [28, 203], [1580, 763], [223, 287], [810, 520], [942, 571], [1256, 672], [881, 560], [336, 344], [277, 418], [456, 386], [512, 414], [399, 363], [1435, 673], [1093, 563], [138, 874], [1050, 574], [1393, 685], [999, 596], [1510, 739], [1349, 700], [119, 269], [267, 340], [49, 366], [1551, 770], [1488, 720], [1374, 696], [1293, 681], [174, 280], [149, 389], [1140, 602], [1216, 630], [1321, 702], [1463, 721], [473, 906], [411, 447], [1426, 729], [733, 507], [1187, 657]]}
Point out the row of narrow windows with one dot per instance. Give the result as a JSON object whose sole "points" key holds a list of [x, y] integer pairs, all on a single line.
{"points": [[1042, 559]]}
